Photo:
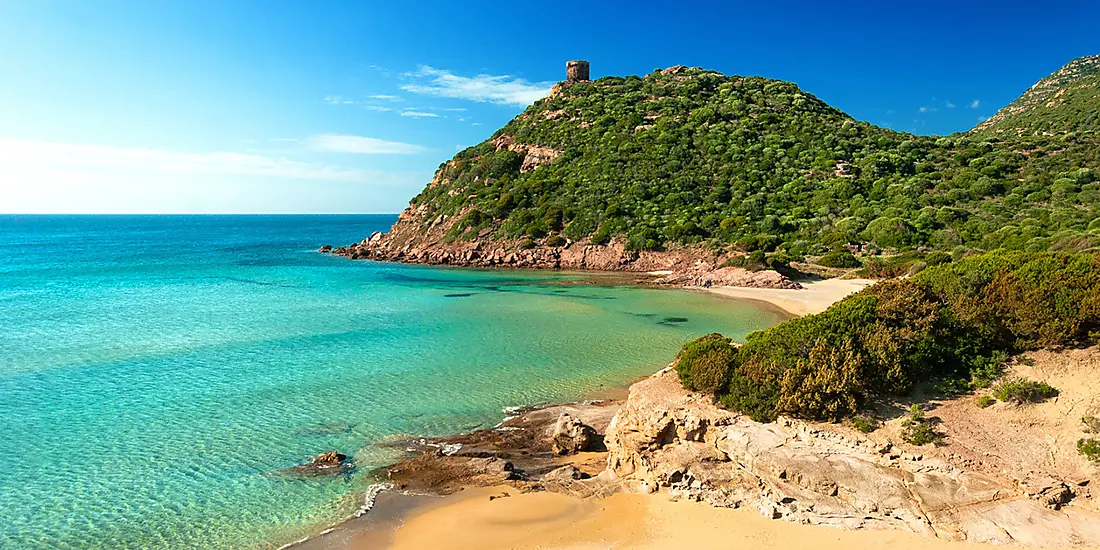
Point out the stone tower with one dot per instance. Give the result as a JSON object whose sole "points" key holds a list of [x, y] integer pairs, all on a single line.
{"points": [[576, 71]]}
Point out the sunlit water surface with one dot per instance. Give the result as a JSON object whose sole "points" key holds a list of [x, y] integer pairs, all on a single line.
{"points": [[154, 369]]}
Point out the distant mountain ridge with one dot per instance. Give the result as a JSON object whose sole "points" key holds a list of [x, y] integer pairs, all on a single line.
{"points": [[685, 158]]}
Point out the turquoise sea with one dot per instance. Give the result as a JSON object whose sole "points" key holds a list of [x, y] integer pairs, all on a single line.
{"points": [[153, 369]]}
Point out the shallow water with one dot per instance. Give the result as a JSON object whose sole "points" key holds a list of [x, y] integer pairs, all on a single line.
{"points": [[154, 369]]}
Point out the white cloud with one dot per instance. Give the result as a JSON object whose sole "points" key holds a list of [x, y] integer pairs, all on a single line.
{"points": [[455, 109], [378, 108], [340, 143], [928, 109], [385, 97], [975, 104], [419, 114], [502, 90], [21, 159], [950, 105]]}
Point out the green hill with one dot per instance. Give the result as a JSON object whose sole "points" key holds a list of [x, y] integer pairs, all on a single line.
{"points": [[1066, 101], [686, 156]]}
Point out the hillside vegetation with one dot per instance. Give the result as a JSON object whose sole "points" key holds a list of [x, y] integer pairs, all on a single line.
{"points": [[954, 325], [687, 156]]}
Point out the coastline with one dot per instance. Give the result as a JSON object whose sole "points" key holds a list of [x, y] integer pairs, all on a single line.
{"points": [[395, 508], [647, 521], [813, 297]]}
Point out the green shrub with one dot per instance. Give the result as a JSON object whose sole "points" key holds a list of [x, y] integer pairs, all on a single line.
{"points": [[865, 424], [985, 401], [526, 244], [1023, 300], [839, 258], [880, 341], [745, 262], [1021, 391], [556, 240], [984, 369], [917, 430], [953, 324], [1090, 448], [703, 364], [1092, 424]]}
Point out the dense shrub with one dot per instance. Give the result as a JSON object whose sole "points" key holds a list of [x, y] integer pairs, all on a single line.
{"points": [[1021, 391], [918, 430], [865, 424], [1090, 448], [556, 240], [986, 401], [703, 364], [955, 323], [1092, 424], [746, 262], [1023, 300], [839, 258]]}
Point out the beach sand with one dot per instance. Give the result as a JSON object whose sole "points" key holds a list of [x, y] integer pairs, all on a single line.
{"points": [[814, 297], [545, 520]]}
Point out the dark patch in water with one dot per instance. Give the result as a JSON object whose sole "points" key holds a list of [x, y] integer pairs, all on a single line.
{"points": [[675, 320], [252, 282], [644, 314], [560, 291], [333, 428], [458, 295]]}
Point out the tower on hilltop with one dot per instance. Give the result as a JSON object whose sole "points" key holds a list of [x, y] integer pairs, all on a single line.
{"points": [[576, 71]]}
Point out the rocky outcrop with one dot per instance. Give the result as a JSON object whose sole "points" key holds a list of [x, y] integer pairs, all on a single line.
{"points": [[533, 155], [665, 438], [325, 464], [571, 436], [413, 240]]}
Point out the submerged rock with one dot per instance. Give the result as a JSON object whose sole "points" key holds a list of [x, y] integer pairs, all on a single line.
{"points": [[325, 464]]}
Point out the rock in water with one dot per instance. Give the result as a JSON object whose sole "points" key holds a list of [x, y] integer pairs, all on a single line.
{"points": [[571, 435], [325, 464], [330, 458]]}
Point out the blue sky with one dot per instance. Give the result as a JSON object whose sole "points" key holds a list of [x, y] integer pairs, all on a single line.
{"points": [[239, 106]]}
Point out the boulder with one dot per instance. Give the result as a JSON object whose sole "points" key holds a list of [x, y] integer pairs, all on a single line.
{"points": [[571, 436], [565, 474], [325, 464]]}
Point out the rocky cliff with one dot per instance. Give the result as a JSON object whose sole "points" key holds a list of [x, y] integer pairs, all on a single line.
{"points": [[409, 241], [665, 438]]}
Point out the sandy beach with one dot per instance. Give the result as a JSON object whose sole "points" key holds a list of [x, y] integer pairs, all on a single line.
{"points": [[814, 297], [545, 520]]}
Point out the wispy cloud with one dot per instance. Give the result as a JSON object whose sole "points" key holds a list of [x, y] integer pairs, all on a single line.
{"points": [[502, 90], [419, 114], [925, 109], [975, 104], [385, 97], [27, 156], [950, 105], [341, 143]]}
